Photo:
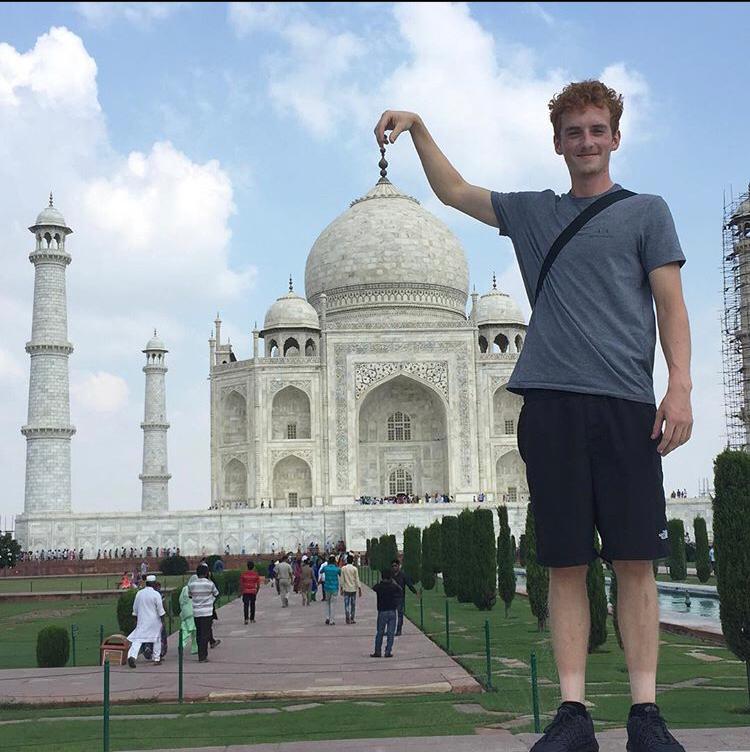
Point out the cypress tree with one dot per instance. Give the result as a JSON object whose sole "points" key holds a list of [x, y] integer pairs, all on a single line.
{"points": [[613, 601], [367, 546], [375, 555], [437, 546], [514, 549], [428, 567], [506, 575], [537, 576], [677, 563], [522, 550], [702, 562], [597, 602], [485, 561], [413, 552], [388, 550], [449, 538], [731, 506], [465, 576]]}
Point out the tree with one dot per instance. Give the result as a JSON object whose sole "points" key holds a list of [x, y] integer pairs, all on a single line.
{"points": [[537, 576], [375, 555], [597, 602], [368, 553], [514, 548], [702, 562], [388, 550], [413, 553], [613, 601], [506, 560], [10, 551], [677, 563], [437, 546], [522, 550], [485, 561], [428, 554], [451, 561], [465, 587], [731, 506]]}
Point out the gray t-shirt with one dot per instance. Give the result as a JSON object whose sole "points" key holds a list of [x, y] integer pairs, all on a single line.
{"points": [[592, 329]]}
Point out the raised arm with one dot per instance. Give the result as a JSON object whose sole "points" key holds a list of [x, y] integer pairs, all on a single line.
{"points": [[443, 177]]}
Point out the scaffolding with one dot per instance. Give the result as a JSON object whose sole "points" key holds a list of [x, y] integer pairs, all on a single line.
{"points": [[735, 325]]}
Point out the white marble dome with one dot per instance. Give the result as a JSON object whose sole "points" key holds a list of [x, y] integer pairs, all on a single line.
{"points": [[387, 252], [497, 307], [155, 344], [291, 312]]}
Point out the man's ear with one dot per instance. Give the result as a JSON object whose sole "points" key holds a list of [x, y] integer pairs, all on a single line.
{"points": [[557, 145], [616, 140]]}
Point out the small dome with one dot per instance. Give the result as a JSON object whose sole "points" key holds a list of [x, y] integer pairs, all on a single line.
{"points": [[291, 312], [742, 213], [497, 307], [50, 216], [155, 344]]}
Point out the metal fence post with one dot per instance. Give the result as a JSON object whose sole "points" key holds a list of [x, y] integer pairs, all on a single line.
{"points": [[106, 705], [180, 655], [73, 635], [101, 633], [487, 651], [421, 610], [447, 627], [169, 612], [535, 694]]}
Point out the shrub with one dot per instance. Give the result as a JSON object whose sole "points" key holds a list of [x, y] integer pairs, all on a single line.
{"points": [[428, 563], [173, 565], [10, 551], [597, 603], [506, 575], [465, 576], [702, 562], [613, 601], [451, 562], [413, 553], [677, 564], [522, 550], [211, 560], [52, 647], [437, 546], [175, 599], [375, 555], [537, 576], [484, 592], [125, 617]]}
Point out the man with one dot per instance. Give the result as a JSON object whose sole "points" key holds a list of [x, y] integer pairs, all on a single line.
{"points": [[284, 580], [350, 587], [249, 586], [389, 595], [305, 580], [589, 431], [149, 612], [203, 592], [403, 581], [329, 575]]}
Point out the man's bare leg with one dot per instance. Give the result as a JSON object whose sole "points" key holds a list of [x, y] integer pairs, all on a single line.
{"points": [[638, 617], [570, 620]]}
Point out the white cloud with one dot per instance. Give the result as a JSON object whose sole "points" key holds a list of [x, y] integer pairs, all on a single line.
{"points": [[139, 14], [248, 17], [99, 392], [10, 367]]}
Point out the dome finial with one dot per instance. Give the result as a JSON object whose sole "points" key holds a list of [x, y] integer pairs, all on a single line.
{"points": [[154, 331], [291, 286], [383, 164], [494, 281], [50, 199]]}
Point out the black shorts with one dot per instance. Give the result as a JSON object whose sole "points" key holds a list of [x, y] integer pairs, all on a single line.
{"points": [[591, 463]]}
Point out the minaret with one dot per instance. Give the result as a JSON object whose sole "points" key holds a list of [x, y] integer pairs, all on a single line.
{"points": [[155, 476], [48, 430]]}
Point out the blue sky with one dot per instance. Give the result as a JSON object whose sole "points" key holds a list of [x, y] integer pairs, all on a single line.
{"points": [[199, 149]]}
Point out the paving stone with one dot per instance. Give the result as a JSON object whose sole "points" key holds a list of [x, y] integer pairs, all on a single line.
{"points": [[295, 708]]}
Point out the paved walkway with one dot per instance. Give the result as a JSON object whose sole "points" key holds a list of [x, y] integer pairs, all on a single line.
{"points": [[287, 653], [699, 740]]}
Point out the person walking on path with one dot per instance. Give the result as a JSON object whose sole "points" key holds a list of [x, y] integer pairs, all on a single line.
{"points": [[203, 593], [187, 621], [249, 586], [305, 580], [350, 588], [330, 574], [594, 262], [284, 581], [389, 594], [403, 581], [148, 609]]}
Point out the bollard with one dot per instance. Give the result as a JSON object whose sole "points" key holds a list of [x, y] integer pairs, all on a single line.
{"points": [[180, 655], [106, 706], [447, 628], [73, 635], [535, 694], [421, 610], [487, 651], [81, 587]]}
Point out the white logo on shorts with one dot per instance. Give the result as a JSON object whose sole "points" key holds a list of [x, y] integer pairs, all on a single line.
{"points": [[664, 535]]}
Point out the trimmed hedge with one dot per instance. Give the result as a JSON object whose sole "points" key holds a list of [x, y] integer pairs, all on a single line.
{"points": [[413, 553], [537, 576], [175, 599], [451, 560], [677, 563], [597, 602], [466, 546], [485, 561], [125, 617], [52, 647], [428, 558], [174, 565], [613, 601], [506, 559], [702, 561]]}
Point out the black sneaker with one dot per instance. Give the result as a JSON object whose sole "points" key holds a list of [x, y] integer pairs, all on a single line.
{"points": [[647, 732], [131, 662], [570, 731]]}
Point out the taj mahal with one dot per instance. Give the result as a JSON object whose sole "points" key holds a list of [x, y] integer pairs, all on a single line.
{"points": [[386, 380]]}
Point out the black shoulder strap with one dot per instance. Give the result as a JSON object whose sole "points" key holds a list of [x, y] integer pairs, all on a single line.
{"points": [[570, 231]]}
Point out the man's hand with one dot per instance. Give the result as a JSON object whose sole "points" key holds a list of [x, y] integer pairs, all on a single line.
{"points": [[395, 121], [676, 413]]}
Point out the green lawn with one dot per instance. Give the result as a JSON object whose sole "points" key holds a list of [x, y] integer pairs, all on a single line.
{"points": [[73, 584]]}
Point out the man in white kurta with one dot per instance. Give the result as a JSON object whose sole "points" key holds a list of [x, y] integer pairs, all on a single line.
{"points": [[149, 610]]}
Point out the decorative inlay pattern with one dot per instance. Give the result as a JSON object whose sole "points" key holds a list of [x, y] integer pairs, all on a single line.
{"points": [[367, 374]]}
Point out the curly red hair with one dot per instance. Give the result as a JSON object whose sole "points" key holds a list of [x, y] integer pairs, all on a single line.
{"points": [[576, 96]]}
